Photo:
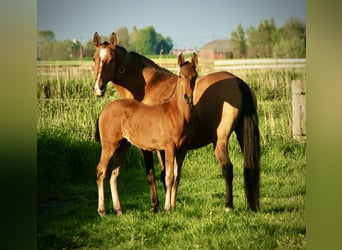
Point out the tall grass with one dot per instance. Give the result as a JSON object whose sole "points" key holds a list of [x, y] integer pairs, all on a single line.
{"points": [[67, 196]]}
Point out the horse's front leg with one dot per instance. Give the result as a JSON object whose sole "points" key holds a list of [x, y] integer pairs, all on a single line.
{"points": [[169, 176], [161, 158], [148, 160]]}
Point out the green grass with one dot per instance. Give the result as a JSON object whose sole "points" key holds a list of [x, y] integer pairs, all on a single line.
{"points": [[67, 192]]}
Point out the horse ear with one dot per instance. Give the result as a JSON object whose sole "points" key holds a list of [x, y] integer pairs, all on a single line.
{"points": [[97, 39], [194, 59], [113, 39], [181, 59]]}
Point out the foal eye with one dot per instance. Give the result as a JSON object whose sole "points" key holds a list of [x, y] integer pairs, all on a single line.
{"points": [[179, 76]]}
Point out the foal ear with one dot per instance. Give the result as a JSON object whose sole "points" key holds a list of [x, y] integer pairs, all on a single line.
{"points": [[97, 39], [113, 40], [181, 60], [194, 59]]}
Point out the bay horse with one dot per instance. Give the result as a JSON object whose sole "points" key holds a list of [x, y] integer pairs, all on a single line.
{"points": [[164, 126], [223, 103]]}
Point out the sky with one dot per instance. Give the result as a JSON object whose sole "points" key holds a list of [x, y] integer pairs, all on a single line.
{"points": [[189, 23]]}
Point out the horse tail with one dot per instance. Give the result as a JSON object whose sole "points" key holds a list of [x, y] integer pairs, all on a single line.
{"points": [[250, 145], [97, 131]]}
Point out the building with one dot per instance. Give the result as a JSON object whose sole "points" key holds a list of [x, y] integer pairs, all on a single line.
{"points": [[216, 50]]}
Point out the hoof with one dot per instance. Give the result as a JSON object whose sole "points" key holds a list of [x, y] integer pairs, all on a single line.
{"points": [[102, 213], [153, 210], [228, 209], [119, 213]]}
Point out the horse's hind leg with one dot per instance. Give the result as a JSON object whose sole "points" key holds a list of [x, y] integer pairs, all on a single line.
{"points": [[148, 160], [223, 132], [118, 159], [221, 154]]}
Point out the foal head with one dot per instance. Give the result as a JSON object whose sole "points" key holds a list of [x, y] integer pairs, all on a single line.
{"points": [[104, 63], [187, 76]]}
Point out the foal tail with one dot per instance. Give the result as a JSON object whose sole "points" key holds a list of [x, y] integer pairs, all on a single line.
{"points": [[250, 145]]}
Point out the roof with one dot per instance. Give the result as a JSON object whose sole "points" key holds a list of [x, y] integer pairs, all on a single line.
{"points": [[219, 45]]}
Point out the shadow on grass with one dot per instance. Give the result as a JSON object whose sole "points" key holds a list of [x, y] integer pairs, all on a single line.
{"points": [[67, 190]]}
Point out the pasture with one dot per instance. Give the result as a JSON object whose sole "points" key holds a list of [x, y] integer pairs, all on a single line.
{"points": [[67, 193]]}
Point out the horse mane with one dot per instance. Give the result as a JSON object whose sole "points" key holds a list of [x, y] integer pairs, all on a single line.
{"points": [[146, 62]]}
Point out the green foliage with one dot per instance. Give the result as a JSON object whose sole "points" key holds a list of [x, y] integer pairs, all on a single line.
{"points": [[148, 42], [45, 35], [290, 48], [265, 41], [145, 41], [239, 42], [67, 194]]}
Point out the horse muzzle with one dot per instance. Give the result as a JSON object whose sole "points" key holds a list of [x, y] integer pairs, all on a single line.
{"points": [[99, 91]]}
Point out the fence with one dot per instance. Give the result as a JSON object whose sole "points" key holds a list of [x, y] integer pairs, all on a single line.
{"points": [[259, 64], [299, 109], [239, 64]]}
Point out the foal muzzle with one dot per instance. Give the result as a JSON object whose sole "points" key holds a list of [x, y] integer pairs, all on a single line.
{"points": [[188, 99]]}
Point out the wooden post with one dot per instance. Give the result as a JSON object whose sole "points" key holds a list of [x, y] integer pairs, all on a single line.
{"points": [[299, 109]]}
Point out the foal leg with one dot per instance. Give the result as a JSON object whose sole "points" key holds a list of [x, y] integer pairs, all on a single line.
{"points": [[119, 157], [106, 154], [169, 177], [178, 162], [148, 160]]}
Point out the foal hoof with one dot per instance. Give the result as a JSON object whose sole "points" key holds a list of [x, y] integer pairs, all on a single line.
{"points": [[119, 213], [102, 213]]}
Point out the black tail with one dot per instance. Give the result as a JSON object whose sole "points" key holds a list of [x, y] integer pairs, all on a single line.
{"points": [[97, 131], [250, 147]]}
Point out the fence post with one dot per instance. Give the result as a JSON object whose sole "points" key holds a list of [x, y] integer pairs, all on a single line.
{"points": [[299, 109]]}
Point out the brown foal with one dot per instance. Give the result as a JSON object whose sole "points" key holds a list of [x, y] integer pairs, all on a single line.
{"points": [[159, 127]]}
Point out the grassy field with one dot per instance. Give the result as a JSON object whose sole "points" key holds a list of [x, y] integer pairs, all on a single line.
{"points": [[67, 192]]}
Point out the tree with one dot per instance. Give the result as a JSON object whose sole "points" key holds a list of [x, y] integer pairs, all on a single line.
{"points": [[89, 49], [261, 40], [289, 48], [164, 45], [238, 42], [56, 50], [45, 35], [132, 39], [146, 40], [123, 37]]}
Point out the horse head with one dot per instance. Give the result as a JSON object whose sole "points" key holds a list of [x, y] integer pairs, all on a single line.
{"points": [[104, 63]]}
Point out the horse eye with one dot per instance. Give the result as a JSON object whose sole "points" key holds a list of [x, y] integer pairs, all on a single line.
{"points": [[179, 76], [93, 59]]}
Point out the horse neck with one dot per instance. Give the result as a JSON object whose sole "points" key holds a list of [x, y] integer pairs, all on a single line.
{"points": [[144, 80]]}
